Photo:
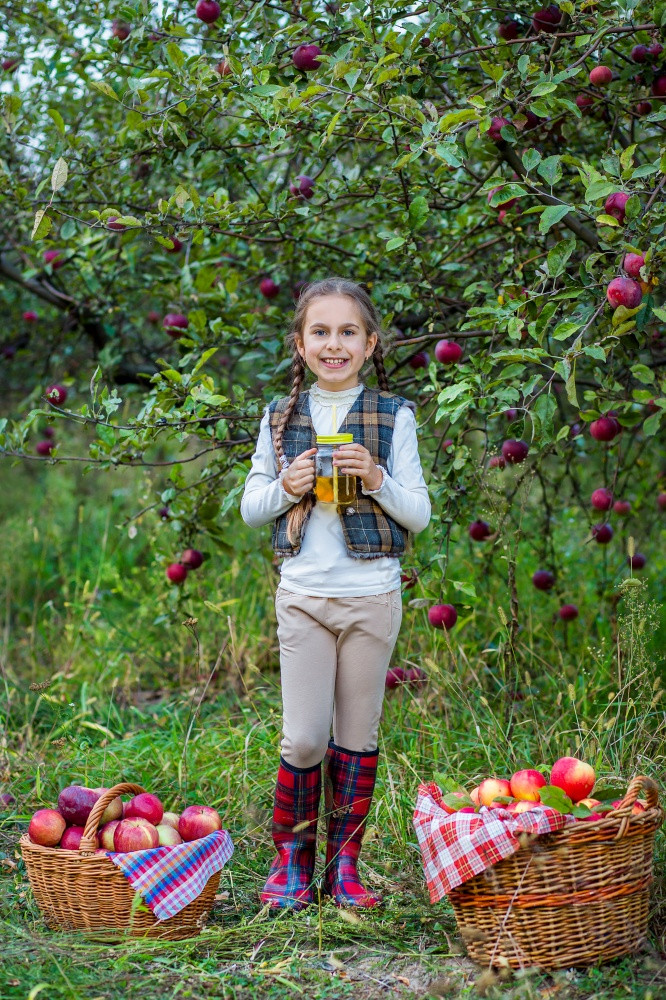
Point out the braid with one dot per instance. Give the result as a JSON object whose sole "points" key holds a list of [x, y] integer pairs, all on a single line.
{"points": [[378, 359], [298, 374], [299, 512]]}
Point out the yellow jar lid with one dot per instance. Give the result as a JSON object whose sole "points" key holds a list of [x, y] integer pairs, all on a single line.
{"points": [[335, 438]]}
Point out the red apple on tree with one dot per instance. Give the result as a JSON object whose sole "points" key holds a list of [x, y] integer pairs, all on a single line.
{"points": [[547, 18], [633, 262], [192, 558], [176, 572], [508, 29], [207, 11], [303, 187], [9, 64], [175, 323], [643, 108], [30, 317], [54, 258], [616, 205], [198, 821], [442, 616], [602, 533], [305, 57], [479, 530], [120, 29], [659, 86], [419, 360], [600, 75], [268, 288], [448, 352], [543, 579], [624, 292], [637, 561], [46, 827], [496, 126], [568, 612], [176, 245], [57, 394], [622, 507], [605, 428], [44, 448], [601, 499], [640, 54], [584, 101], [514, 451], [497, 462], [223, 68], [661, 501]]}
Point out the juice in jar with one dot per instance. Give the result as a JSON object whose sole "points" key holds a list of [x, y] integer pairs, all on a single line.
{"points": [[332, 486]]}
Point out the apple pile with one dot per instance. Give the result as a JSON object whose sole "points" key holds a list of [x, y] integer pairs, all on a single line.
{"points": [[569, 791], [135, 825]]}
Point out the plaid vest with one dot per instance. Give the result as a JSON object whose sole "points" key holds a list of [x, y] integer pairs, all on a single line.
{"points": [[369, 532]]}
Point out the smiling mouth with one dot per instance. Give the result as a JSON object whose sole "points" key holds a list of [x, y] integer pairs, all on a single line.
{"points": [[334, 362]]}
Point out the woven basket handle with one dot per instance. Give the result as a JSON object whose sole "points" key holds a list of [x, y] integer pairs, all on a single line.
{"points": [[88, 839], [636, 786]]}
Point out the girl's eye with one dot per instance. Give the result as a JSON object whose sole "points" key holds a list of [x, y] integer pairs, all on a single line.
{"points": [[350, 332]]}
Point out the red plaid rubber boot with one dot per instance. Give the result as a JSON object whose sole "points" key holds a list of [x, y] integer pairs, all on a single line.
{"points": [[349, 781], [294, 829]]}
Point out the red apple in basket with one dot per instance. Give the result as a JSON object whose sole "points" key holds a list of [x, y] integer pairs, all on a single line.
{"points": [[474, 795], [521, 806], [171, 818], [168, 837], [450, 809], [144, 806], [573, 776], [525, 785], [637, 808], [46, 827], [135, 834], [490, 788], [106, 834], [198, 821], [114, 810], [75, 803], [71, 839]]}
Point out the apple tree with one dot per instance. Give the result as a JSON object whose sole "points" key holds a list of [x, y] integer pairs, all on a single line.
{"points": [[172, 173]]}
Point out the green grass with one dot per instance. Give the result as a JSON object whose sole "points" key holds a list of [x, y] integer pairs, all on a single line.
{"points": [[100, 681]]}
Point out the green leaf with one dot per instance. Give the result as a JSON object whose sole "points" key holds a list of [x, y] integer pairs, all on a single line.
{"points": [[175, 55], [493, 71], [599, 189], [651, 425], [551, 216], [621, 314], [59, 175], [554, 798], [547, 87], [418, 212], [550, 169], [453, 118], [564, 330], [41, 226], [558, 257], [57, 119], [531, 159], [458, 800], [395, 242], [105, 89]]}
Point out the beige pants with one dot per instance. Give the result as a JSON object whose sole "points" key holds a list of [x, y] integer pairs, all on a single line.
{"points": [[334, 654]]}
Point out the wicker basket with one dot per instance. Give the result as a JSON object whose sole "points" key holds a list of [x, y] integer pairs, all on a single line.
{"points": [[81, 890], [575, 897]]}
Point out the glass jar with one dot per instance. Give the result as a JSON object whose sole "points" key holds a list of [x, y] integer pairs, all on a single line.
{"points": [[331, 485]]}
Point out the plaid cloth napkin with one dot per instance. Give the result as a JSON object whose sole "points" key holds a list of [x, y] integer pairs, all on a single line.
{"points": [[168, 878], [457, 846]]}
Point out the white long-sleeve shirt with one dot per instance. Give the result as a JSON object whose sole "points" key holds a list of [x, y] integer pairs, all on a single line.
{"points": [[323, 567]]}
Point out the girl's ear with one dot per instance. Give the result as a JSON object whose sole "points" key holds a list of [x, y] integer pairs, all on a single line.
{"points": [[298, 342], [371, 343]]}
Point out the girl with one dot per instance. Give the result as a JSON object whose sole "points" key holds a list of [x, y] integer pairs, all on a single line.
{"points": [[338, 604]]}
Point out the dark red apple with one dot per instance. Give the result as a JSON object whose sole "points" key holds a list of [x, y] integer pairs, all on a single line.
{"points": [[120, 29], [622, 507], [547, 18], [176, 245], [508, 29], [442, 616], [207, 11], [75, 803], [479, 530], [543, 579], [7, 800], [605, 428], [9, 64], [223, 68], [268, 288], [514, 451], [117, 227], [616, 205], [57, 394], [305, 57], [176, 572], [661, 501], [302, 187], [394, 677], [568, 612], [643, 108], [144, 806], [584, 101], [640, 54], [420, 360], [175, 324], [637, 561], [509, 203], [30, 317], [655, 50], [497, 462], [54, 258], [659, 86], [602, 533], [415, 676], [192, 558], [71, 838], [496, 126], [44, 448]]}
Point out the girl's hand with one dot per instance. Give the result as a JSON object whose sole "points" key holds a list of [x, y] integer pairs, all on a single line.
{"points": [[355, 460], [299, 477]]}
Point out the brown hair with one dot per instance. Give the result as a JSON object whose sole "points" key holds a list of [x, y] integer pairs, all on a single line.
{"points": [[371, 324]]}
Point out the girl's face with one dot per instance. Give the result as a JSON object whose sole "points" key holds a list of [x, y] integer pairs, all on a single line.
{"points": [[334, 343]]}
